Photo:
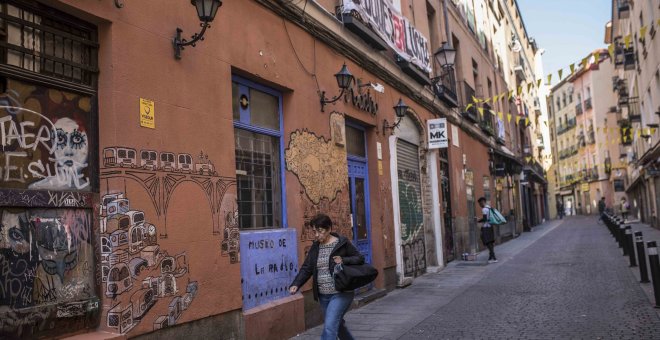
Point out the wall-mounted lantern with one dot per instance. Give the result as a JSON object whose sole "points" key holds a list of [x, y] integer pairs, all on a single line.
{"points": [[400, 111], [344, 80], [445, 55], [206, 11]]}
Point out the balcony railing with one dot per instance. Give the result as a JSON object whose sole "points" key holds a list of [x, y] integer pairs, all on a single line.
{"points": [[591, 136], [624, 56], [578, 109], [486, 121], [587, 104], [466, 98], [444, 87]]}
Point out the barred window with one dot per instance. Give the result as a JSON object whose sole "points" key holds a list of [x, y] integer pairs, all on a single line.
{"points": [[257, 148], [43, 40]]}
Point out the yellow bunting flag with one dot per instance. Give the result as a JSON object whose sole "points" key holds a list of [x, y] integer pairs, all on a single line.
{"points": [[510, 94], [528, 159], [560, 73], [500, 115], [642, 32], [585, 61], [486, 100], [526, 121], [468, 107], [529, 86], [549, 79], [596, 57], [611, 50], [653, 131], [495, 98], [538, 83], [474, 99], [508, 116], [481, 111], [519, 90], [572, 67], [639, 132], [658, 22], [626, 40]]}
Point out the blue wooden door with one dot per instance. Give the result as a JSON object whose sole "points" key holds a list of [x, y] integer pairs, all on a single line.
{"points": [[359, 194]]}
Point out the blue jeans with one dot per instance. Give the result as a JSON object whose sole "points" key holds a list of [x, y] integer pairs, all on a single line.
{"points": [[334, 307]]}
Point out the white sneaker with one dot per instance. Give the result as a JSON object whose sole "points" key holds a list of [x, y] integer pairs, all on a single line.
{"points": [[492, 261]]}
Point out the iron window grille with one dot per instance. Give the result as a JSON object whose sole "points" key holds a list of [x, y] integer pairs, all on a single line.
{"points": [[48, 42]]}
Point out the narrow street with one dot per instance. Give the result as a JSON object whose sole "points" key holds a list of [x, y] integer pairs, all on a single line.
{"points": [[566, 279]]}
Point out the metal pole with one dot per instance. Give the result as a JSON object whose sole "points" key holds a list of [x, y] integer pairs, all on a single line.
{"points": [[629, 246], [655, 270], [620, 237], [641, 257]]}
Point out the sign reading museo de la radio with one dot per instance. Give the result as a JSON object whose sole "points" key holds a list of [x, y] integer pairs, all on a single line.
{"points": [[269, 263], [437, 129], [395, 29]]}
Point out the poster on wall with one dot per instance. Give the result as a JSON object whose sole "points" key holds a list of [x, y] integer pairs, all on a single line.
{"points": [[399, 33], [437, 129], [147, 113], [269, 263]]}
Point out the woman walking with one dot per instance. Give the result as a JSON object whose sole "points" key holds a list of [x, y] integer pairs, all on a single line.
{"points": [[328, 250]]}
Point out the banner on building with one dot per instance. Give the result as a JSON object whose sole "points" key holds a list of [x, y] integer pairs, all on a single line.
{"points": [[395, 29], [437, 129]]}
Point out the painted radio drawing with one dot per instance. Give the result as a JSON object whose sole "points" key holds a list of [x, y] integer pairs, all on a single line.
{"points": [[136, 273]]}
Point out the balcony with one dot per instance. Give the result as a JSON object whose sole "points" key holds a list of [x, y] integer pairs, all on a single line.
{"points": [[570, 124], [624, 56], [591, 136], [578, 109], [468, 92], [519, 68], [608, 166], [634, 113], [486, 122], [573, 151], [444, 87], [587, 104], [581, 140]]}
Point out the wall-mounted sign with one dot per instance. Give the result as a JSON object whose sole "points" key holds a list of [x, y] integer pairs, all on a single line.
{"points": [[269, 263], [395, 29], [437, 130], [147, 113], [361, 99], [585, 187]]}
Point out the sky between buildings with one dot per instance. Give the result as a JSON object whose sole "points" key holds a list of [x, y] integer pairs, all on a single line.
{"points": [[568, 30]]}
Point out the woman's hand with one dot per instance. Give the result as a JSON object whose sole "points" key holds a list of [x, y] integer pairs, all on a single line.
{"points": [[293, 290], [337, 259]]}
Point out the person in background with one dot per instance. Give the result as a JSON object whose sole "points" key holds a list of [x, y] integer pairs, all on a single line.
{"points": [[601, 207], [560, 209], [329, 249], [487, 233], [625, 207]]}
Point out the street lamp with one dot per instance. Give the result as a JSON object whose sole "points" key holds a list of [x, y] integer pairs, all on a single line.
{"points": [[344, 81], [206, 11], [400, 111], [445, 55]]}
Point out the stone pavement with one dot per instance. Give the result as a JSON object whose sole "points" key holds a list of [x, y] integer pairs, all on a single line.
{"points": [[562, 280], [402, 309]]}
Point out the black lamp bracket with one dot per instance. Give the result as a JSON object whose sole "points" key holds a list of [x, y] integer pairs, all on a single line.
{"points": [[325, 100], [387, 125], [180, 43], [119, 4]]}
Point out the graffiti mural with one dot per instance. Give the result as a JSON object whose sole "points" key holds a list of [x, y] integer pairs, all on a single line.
{"points": [[44, 136], [412, 235], [46, 269], [319, 164], [338, 210], [144, 284], [161, 173], [136, 273]]}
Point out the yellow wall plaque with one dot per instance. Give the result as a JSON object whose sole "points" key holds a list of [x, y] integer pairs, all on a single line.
{"points": [[147, 113]]}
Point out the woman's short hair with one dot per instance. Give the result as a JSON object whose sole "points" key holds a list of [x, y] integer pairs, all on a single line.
{"points": [[321, 221]]}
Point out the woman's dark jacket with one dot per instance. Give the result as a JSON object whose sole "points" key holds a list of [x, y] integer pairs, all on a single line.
{"points": [[344, 248]]}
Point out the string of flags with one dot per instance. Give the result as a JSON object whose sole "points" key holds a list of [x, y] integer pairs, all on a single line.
{"points": [[572, 68]]}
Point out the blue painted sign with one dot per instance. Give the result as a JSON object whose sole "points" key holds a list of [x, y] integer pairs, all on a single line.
{"points": [[269, 263]]}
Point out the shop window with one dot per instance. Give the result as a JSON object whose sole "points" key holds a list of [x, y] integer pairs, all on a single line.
{"points": [[257, 136]]}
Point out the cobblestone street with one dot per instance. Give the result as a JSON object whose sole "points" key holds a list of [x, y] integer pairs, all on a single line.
{"points": [[560, 281]]}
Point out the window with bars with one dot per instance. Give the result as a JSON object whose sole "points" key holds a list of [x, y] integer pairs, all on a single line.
{"points": [[43, 40], [257, 137]]}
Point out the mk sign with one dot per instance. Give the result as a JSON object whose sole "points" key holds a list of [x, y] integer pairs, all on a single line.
{"points": [[437, 130]]}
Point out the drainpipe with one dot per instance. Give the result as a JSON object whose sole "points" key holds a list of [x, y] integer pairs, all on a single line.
{"points": [[446, 17]]}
